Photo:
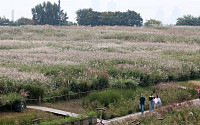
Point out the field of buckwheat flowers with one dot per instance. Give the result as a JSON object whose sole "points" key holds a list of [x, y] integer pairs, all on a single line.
{"points": [[57, 57]]}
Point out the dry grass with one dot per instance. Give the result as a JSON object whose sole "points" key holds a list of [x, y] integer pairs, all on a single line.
{"points": [[165, 50], [167, 86], [194, 83], [74, 106]]}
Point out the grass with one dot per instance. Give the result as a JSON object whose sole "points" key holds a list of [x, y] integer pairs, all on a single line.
{"points": [[25, 118], [173, 115], [124, 102], [74, 57]]}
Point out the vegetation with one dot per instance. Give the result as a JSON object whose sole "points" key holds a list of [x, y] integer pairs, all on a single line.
{"points": [[188, 20], [174, 114], [26, 117], [152, 22], [56, 63], [5, 22], [122, 102], [48, 13], [89, 17]]}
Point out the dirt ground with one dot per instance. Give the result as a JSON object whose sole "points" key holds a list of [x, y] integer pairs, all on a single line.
{"points": [[74, 106]]}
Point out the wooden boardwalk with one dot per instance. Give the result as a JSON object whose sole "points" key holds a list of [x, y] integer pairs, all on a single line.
{"points": [[105, 122], [54, 111], [58, 112]]}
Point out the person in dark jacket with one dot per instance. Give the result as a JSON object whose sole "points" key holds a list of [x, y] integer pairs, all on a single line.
{"points": [[142, 102]]}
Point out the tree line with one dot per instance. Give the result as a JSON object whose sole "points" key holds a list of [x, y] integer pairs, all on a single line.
{"points": [[89, 17], [51, 14]]}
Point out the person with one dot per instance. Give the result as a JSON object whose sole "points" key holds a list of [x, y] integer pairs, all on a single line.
{"points": [[157, 101], [199, 93], [151, 102], [142, 102]]}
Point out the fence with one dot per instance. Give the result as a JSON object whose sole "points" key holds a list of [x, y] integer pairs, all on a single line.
{"points": [[65, 97]]}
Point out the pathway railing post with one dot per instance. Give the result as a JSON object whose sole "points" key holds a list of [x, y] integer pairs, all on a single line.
{"points": [[40, 100]]}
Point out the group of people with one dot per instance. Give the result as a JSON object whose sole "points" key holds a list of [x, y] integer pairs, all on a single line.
{"points": [[153, 102]]}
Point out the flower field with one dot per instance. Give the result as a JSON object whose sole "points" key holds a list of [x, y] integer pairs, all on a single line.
{"points": [[79, 58]]}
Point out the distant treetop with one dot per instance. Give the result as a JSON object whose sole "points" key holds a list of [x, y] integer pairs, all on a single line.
{"points": [[152, 22], [89, 17], [188, 20], [48, 13]]}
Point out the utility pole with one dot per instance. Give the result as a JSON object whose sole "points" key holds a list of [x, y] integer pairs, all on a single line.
{"points": [[59, 16]]}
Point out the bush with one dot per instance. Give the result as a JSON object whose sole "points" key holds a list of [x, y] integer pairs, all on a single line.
{"points": [[109, 96], [101, 82], [152, 22], [6, 86], [79, 86], [60, 92], [130, 84], [34, 90], [144, 80], [10, 100]]}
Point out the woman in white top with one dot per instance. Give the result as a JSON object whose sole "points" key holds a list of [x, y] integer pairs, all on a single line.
{"points": [[157, 101]]}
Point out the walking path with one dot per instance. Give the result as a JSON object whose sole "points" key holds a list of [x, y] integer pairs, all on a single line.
{"points": [[58, 112], [135, 115], [105, 122], [54, 111]]}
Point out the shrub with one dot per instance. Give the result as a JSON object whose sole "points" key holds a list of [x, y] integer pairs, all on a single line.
{"points": [[101, 82], [130, 84], [79, 86], [144, 80], [109, 96], [59, 92], [10, 99], [6, 86], [34, 90]]}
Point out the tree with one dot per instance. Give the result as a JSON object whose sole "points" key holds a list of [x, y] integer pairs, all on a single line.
{"points": [[24, 21], [89, 17], [152, 22], [188, 20], [6, 22], [48, 13], [131, 18]]}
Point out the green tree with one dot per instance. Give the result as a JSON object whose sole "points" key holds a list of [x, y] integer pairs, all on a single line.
{"points": [[152, 22], [131, 18], [24, 21], [87, 17], [48, 13], [5, 22], [94, 18], [188, 20]]}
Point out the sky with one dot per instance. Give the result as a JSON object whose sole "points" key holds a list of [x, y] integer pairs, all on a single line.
{"points": [[167, 11]]}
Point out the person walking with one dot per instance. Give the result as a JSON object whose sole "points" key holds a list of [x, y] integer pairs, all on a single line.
{"points": [[157, 101], [151, 102], [199, 93], [142, 102]]}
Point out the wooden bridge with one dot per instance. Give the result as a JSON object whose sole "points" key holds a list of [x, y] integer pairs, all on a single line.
{"points": [[54, 111], [59, 112]]}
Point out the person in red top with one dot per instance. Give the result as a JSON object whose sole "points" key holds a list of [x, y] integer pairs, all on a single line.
{"points": [[199, 93]]}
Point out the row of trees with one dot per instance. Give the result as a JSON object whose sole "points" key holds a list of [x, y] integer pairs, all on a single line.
{"points": [[48, 13], [89, 17], [188, 20]]}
